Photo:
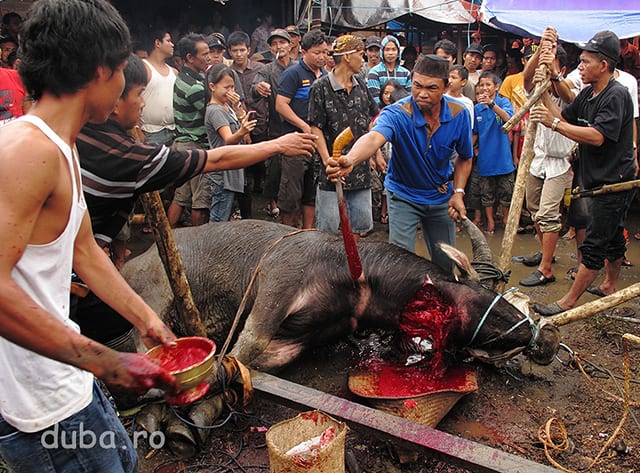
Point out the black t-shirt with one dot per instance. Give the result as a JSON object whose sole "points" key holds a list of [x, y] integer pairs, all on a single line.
{"points": [[611, 113]]}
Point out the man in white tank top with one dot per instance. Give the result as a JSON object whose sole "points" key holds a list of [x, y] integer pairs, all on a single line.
{"points": [[157, 116], [47, 391]]}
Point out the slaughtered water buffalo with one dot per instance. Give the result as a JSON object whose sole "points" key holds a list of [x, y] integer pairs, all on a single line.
{"points": [[303, 295]]}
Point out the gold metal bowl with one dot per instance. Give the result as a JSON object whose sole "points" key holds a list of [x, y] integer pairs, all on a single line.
{"points": [[190, 361]]}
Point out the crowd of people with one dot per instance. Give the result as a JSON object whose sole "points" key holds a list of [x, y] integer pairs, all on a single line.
{"points": [[220, 115]]}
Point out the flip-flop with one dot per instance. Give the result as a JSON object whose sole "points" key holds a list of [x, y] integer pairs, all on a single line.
{"points": [[547, 310], [596, 291]]}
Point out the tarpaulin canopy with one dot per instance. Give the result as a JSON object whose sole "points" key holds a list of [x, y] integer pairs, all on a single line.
{"points": [[575, 20], [360, 14]]}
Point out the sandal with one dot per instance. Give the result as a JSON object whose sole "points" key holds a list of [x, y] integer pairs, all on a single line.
{"points": [[572, 273], [384, 219]]}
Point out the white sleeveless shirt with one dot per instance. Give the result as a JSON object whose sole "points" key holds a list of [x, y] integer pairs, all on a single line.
{"points": [[37, 392], [157, 113]]}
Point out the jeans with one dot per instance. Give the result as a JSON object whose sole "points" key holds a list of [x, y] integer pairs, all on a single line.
{"points": [[162, 137], [221, 203], [437, 226], [358, 204], [90, 441]]}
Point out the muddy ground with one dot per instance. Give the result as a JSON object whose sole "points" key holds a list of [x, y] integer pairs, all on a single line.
{"points": [[512, 402]]}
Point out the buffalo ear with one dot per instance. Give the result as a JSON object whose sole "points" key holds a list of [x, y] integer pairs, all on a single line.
{"points": [[461, 261]]}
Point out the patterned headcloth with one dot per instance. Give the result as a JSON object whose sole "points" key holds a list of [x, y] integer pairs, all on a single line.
{"points": [[347, 44]]}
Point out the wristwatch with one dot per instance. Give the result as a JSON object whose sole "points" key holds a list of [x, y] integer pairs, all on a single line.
{"points": [[491, 104], [458, 190], [558, 78], [554, 124]]}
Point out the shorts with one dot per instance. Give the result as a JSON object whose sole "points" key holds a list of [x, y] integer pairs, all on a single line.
{"points": [[605, 239], [196, 192], [358, 209], [496, 188], [544, 200], [101, 443], [297, 183]]}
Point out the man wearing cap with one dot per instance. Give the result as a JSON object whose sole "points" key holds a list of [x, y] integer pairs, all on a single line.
{"points": [[338, 101], [472, 61], [424, 128], [600, 119], [264, 90], [372, 47], [297, 184], [295, 36]]}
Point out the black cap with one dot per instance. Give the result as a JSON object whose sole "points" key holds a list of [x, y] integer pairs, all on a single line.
{"points": [[529, 51], [215, 42], [432, 66], [372, 41], [604, 42], [278, 33], [474, 48]]}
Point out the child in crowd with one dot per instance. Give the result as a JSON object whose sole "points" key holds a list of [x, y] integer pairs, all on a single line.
{"points": [[495, 160], [224, 127]]}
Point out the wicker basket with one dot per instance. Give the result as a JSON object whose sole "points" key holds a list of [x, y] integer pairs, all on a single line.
{"points": [[427, 409], [287, 434]]}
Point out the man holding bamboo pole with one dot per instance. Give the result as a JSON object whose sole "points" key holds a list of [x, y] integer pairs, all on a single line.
{"points": [[600, 120]]}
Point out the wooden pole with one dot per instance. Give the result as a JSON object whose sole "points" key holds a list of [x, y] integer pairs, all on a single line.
{"points": [[522, 111], [594, 307], [513, 220], [189, 320]]}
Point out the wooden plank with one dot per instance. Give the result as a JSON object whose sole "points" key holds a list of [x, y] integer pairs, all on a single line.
{"points": [[451, 449]]}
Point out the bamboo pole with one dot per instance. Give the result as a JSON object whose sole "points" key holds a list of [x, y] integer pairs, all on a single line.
{"points": [[594, 307], [189, 320], [513, 220], [522, 111]]}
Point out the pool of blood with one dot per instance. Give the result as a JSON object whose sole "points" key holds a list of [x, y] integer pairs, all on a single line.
{"points": [[428, 316], [180, 358]]}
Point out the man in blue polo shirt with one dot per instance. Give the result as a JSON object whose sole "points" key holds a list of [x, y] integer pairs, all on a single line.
{"points": [[423, 184], [297, 183]]}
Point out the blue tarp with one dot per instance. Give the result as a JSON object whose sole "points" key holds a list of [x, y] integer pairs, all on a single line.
{"points": [[575, 20]]}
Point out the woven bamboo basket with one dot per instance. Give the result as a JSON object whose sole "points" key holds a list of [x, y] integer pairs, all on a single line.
{"points": [[427, 408], [287, 434]]}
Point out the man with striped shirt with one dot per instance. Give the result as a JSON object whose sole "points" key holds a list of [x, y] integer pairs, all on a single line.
{"points": [[189, 105], [116, 169]]}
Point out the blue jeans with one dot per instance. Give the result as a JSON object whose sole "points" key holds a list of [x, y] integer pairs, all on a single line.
{"points": [[162, 137], [437, 226], [221, 203], [90, 441], [358, 204]]}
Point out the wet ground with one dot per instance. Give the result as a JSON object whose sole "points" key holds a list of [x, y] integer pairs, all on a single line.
{"points": [[513, 400]]}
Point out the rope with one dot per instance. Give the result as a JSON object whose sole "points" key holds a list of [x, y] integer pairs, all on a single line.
{"points": [[554, 428], [247, 292], [488, 272], [486, 314]]}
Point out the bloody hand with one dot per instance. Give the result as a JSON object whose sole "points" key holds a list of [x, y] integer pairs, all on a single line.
{"points": [[137, 373]]}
